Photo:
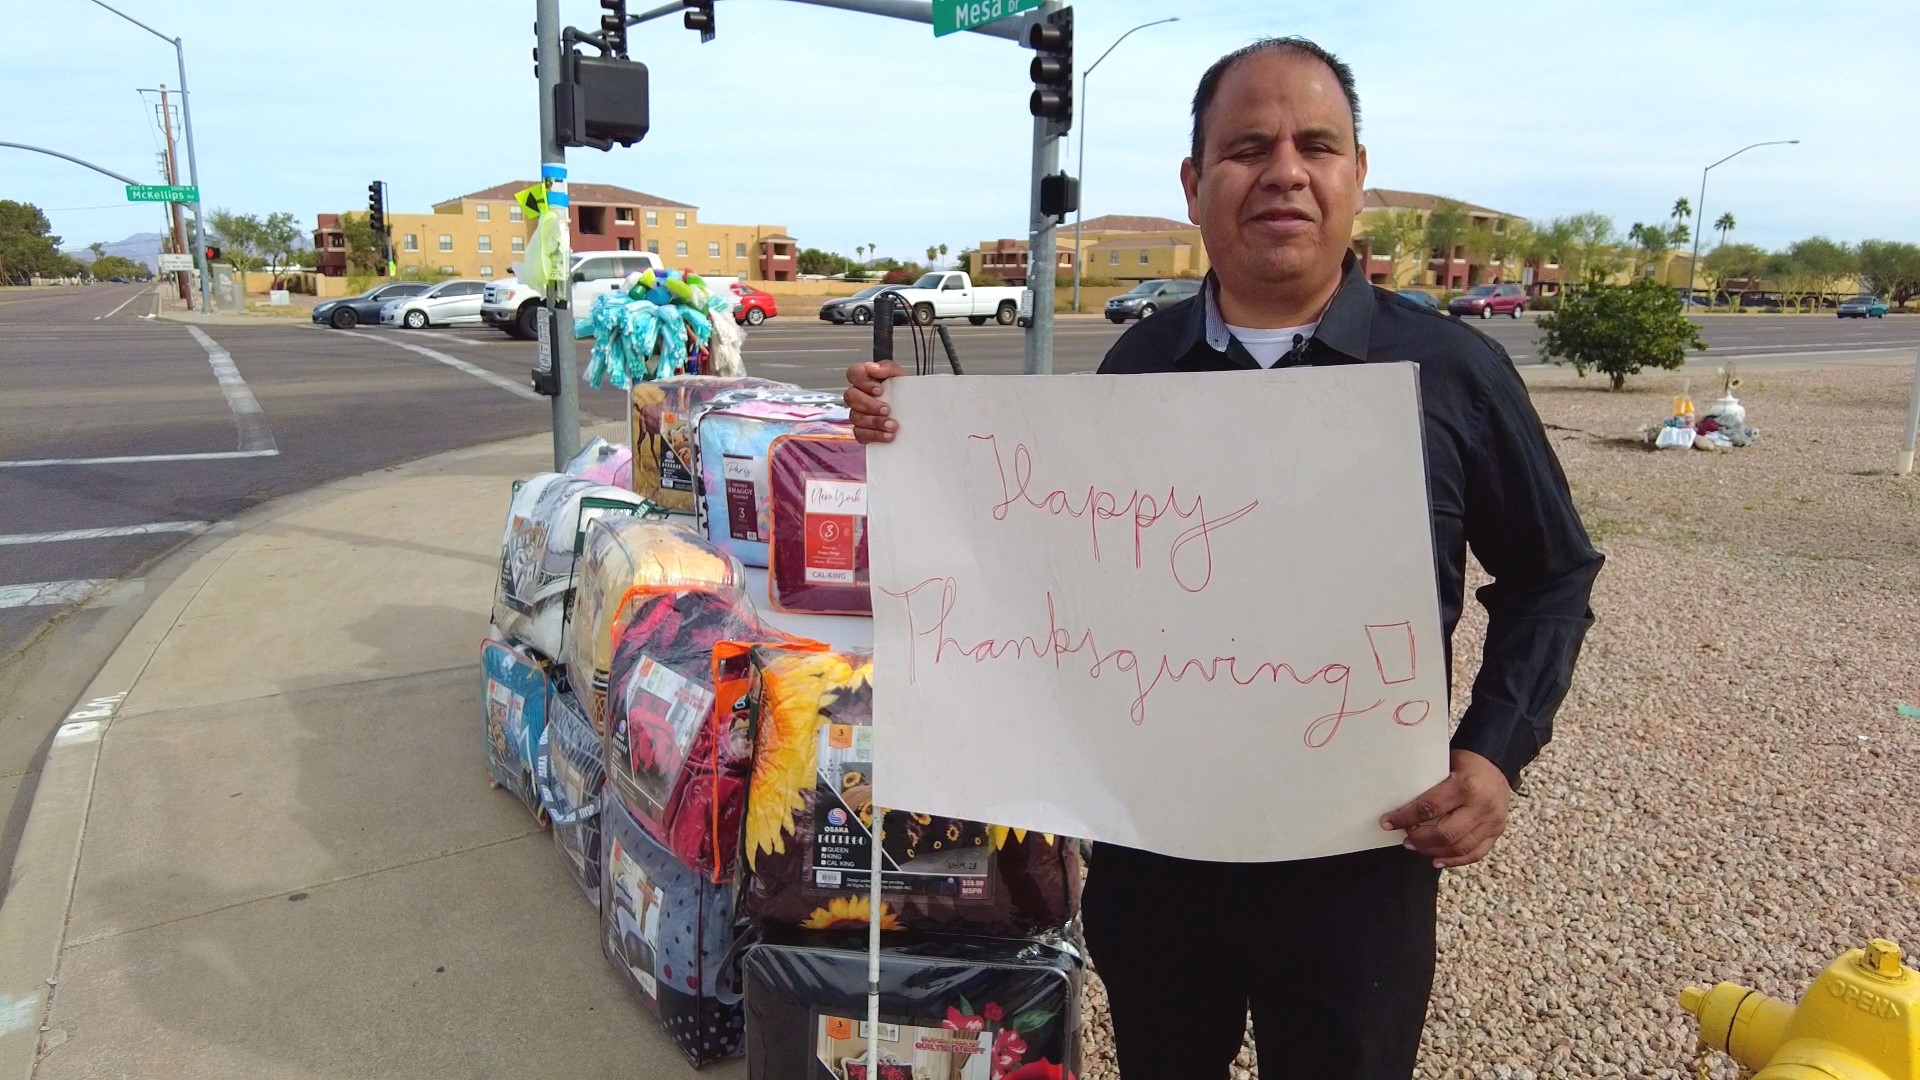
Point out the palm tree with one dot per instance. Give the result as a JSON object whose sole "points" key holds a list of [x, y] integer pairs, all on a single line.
{"points": [[860, 250], [1682, 209], [943, 252], [932, 251], [1724, 223], [99, 250]]}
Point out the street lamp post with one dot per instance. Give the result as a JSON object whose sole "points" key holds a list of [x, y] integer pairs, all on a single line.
{"points": [[1080, 170], [193, 161], [1700, 208]]}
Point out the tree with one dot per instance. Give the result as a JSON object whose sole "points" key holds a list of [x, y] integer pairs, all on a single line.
{"points": [[1891, 269], [28, 247], [1724, 223], [112, 266], [278, 238], [943, 252], [1510, 245], [1824, 263], [933, 252], [1401, 235], [1446, 224], [964, 261], [1682, 210], [99, 250], [1790, 276], [1619, 330], [239, 238], [860, 251], [366, 253], [1744, 263]]}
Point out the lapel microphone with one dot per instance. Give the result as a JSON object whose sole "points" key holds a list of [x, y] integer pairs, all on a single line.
{"points": [[1297, 354]]}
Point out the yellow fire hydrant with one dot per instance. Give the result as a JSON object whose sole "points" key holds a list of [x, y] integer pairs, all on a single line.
{"points": [[1859, 1021]]}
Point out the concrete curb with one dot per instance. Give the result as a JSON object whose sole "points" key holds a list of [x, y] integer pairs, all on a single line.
{"points": [[33, 919]]}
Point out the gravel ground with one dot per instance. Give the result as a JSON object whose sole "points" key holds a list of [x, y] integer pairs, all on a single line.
{"points": [[1731, 792]]}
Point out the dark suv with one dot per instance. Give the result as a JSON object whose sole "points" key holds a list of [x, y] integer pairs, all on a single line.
{"points": [[1487, 301], [1149, 297]]}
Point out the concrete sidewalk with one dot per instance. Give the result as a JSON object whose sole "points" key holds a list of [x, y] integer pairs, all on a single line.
{"points": [[278, 853]]}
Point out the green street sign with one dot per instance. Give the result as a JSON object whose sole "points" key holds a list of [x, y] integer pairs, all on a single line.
{"points": [[183, 193], [953, 16]]}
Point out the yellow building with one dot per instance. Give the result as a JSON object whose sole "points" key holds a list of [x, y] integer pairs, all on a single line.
{"points": [[484, 234], [1007, 258]]}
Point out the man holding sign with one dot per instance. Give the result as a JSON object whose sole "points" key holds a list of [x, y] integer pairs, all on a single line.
{"points": [[1332, 947]]}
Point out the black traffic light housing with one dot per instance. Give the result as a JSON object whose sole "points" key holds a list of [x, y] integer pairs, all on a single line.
{"points": [[377, 207], [699, 17], [1059, 195], [1052, 70], [600, 101], [613, 26]]}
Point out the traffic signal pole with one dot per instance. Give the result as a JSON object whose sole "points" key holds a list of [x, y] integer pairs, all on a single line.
{"points": [[1041, 256], [557, 323]]}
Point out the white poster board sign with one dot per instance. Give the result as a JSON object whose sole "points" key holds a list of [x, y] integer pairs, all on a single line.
{"points": [[1190, 613]]}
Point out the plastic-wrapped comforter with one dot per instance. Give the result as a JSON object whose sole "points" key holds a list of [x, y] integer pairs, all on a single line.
{"points": [[537, 554]]}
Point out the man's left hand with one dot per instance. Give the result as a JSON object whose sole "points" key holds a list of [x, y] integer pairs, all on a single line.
{"points": [[1456, 821]]}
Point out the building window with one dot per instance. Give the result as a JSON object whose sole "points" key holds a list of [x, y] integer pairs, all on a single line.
{"points": [[486, 244], [653, 246], [446, 242], [739, 251], [514, 213], [653, 218], [625, 243], [446, 269], [1145, 257], [483, 212], [680, 249], [486, 271], [1113, 258], [623, 216], [713, 249], [519, 244], [411, 242], [679, 221]]}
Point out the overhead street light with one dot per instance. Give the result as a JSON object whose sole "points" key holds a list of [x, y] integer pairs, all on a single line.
{"points": [[193, 162], [1700, 209], [1079, 253]]}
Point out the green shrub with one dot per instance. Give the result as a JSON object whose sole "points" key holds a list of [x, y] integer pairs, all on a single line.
{"points": [[1619, 330]]}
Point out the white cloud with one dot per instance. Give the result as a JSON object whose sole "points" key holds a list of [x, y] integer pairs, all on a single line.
{"points": [[851, 130]]}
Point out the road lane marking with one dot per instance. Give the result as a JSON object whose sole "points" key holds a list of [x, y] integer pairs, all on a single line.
{"points": [[255, 433], [475, 370], [137, 459], [10, 539], [783, 352], [137, 295]]}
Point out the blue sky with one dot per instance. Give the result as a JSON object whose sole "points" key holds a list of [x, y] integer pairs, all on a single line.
{"points": [[1536, 109]]}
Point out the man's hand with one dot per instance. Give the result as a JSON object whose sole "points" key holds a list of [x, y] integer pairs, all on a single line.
{"points": [[1457, 820], [871, 424]]}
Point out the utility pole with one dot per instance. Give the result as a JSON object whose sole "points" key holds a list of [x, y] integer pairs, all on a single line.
{"points": [[173, 177], [557, 326]]}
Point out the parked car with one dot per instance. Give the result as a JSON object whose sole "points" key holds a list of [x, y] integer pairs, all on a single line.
{"points": [[450, 303], [952, 294], [1422, 297], [858, 308], [1862, 307], [351, 311], [1486, 301], [755, 307], [1148, 297], [511, 305]]}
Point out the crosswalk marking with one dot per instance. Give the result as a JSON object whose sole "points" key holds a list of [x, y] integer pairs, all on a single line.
{"points": [[50, 593], [7, 539]]}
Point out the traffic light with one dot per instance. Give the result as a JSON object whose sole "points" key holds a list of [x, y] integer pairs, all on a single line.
{"points": [[212, 253], [377, 207], [699, 17], [613, 26], [1052, 39], [1059, 195]]}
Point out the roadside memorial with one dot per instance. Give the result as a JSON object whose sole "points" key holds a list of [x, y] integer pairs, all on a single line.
{"points": [[664, 323], [1722, 426]]}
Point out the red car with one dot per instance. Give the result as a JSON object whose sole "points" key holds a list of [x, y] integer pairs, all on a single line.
{"points": [[756, 307], [1486, 301]]}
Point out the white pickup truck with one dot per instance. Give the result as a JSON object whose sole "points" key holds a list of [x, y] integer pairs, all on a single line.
{"points": [[951, 294], [512, 306]]}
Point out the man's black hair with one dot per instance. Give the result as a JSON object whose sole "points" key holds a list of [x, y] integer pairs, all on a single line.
{"points": [[1297, 46]]}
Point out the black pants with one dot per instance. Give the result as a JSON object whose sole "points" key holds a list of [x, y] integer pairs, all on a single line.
{"points": [[1333, 956]]}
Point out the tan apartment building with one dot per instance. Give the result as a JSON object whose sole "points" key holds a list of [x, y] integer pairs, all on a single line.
{"points": [[1463, 267], [484, 235], [1007, 258]]}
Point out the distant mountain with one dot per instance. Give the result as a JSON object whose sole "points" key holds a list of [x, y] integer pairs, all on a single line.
{"points": [[143, 248]]}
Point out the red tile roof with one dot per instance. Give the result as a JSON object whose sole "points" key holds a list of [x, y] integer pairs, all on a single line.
{"points": [[581, 193]]}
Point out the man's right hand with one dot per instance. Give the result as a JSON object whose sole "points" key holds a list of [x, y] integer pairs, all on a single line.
{"points": [[865, 383]]}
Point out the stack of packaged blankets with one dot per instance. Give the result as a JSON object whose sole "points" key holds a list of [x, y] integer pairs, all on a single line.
{"points": [[707, 771]]}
